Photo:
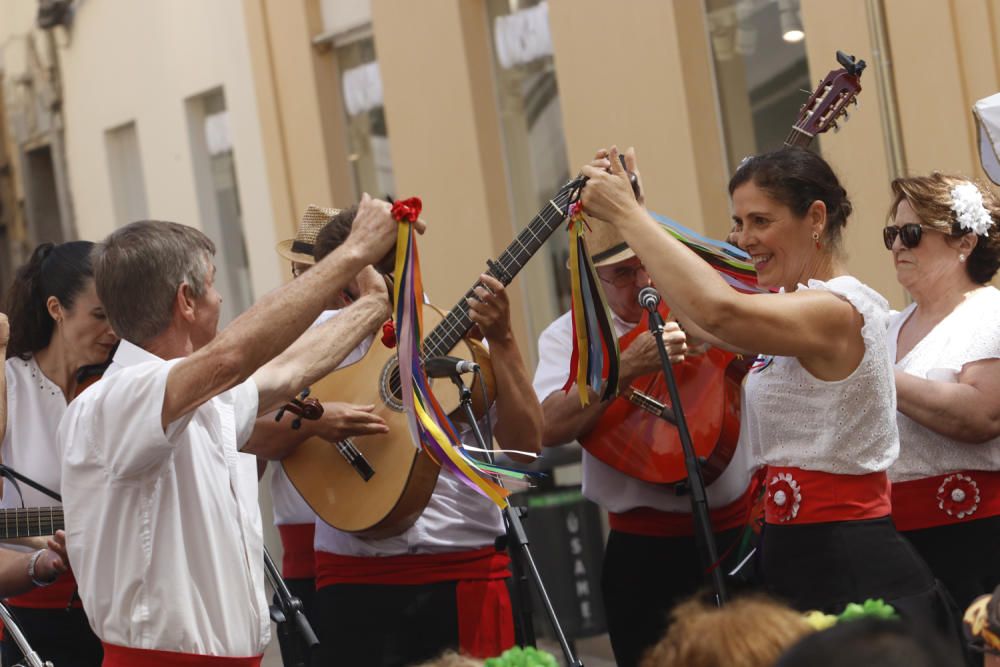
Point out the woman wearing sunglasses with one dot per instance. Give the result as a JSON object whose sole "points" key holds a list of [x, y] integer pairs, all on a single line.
{"points": [[821, 417], [945, 244]]}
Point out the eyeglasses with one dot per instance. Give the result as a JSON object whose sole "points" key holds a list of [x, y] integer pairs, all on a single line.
{"points": [[625, 276], [909, 234]]}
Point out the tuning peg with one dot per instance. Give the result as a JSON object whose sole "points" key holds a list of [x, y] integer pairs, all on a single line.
{"points": [[836, 128], [846, 115], [857, 103]]}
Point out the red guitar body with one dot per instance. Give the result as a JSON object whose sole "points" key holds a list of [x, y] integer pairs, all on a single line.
{"points": [[644, 446]]}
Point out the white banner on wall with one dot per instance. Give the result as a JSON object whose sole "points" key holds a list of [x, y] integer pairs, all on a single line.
{"points": [[362, 88], [523, 36]]}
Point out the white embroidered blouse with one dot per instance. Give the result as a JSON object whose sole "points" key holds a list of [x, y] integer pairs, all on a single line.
{"points": [[969, 333], [845, 426]]}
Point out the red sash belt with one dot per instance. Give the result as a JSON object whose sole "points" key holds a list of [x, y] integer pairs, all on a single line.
{"points": [[654, 523], [485, 618], [57, 596], [796, 496], [957, 497], [123, 656], [299, 560]]}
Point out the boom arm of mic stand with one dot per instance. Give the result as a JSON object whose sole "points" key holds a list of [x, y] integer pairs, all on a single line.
{"points": [[290, 605], [10, 625], [696, 484]]}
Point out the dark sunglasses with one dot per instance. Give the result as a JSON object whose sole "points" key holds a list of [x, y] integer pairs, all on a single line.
{"points": [[909, 234]]}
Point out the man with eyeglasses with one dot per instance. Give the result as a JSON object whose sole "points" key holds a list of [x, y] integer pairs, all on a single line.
{"points": [[651, 558]]}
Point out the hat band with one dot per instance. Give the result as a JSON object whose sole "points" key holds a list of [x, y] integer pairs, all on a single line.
{"points": [[610, 252], [302, 247]]}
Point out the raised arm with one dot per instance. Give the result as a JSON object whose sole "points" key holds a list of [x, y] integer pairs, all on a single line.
{"points": [[814, 325], [321, 349], [280, 317], [519, 417]]}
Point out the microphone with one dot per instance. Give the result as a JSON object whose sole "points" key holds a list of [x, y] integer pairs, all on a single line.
{"points": [[649, 298], [448, 367]]}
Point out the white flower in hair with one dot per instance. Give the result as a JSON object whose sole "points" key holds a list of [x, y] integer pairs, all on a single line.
{"points": [[967, 203]]}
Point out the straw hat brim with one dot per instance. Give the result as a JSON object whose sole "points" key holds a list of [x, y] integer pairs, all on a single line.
{"points": [[284, 249], [618, 253]]}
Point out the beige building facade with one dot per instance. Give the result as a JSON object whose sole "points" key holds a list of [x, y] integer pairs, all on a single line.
{"points": [[646, 73], [234, 115]]}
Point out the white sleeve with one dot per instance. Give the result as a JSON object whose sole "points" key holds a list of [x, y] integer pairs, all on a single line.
{"points": [[127, 413], [554, 353], [246, 399]]}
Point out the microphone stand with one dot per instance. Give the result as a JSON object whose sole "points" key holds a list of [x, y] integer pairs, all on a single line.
{"points": [[696, 483], [518, 540], [287, 614], [9, 625]]}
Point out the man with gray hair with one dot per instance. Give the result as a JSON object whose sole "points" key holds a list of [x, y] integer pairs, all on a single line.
{"points": [[163, 527]]}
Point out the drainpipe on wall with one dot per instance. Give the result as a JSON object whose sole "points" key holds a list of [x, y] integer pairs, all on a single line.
{"points": [[885, 82]]}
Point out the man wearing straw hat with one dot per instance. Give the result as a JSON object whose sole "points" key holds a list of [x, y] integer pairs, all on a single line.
{"points": [[651, 558], [274, 440]]}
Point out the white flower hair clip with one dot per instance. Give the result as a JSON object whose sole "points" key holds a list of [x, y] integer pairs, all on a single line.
{"points": [[971, 214]]}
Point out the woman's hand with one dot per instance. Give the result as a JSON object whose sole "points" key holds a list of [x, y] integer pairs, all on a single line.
{"points": [[602, 160], [608, 196]]}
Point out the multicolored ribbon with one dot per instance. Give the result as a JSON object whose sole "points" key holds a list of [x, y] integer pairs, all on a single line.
{"points": [[732, 263], [429, 426], [596, 357]]}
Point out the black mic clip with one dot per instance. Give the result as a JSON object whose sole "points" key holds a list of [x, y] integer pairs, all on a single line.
{"points": [[448, 367]]}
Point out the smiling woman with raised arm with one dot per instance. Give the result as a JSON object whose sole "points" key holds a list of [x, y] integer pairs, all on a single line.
{"points": [[945, 244], [820, 408]]}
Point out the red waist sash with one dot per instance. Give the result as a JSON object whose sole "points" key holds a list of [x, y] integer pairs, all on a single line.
{"points": [[299, 560], [123, 656], [485, 618], [655, 523], [796, 496], [957, 497], [59, 595]]}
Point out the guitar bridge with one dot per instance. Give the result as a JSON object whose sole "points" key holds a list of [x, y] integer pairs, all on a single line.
{"points": [[651, 405], [356, 459]]}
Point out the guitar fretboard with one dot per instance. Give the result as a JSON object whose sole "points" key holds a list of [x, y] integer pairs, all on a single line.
{"points": [[31, 521], [446, 335]]}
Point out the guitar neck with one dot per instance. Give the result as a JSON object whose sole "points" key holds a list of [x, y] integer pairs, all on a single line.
{"points": [[30, 522], [456, 324], [798, 138]]}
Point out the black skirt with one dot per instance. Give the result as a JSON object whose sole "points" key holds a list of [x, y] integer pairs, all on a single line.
{"points": [[963, 557], [825, 566]]}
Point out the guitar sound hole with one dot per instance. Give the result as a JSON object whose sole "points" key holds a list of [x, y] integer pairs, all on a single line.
{"points": [[389, 385]]}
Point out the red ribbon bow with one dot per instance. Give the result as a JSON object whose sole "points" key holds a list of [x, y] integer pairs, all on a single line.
{"points": [[407, 210]]}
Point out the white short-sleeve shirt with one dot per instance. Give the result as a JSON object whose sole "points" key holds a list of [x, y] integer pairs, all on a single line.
{"points": [[163, 529], [35, 404], [608, 487], [456, 518], [970, 333]]}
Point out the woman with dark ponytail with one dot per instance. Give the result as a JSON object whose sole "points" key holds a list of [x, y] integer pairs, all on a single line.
{"points": [[57, 328]]}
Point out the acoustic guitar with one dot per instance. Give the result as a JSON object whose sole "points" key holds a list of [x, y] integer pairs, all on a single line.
{"points": [[377, 485], [635, 434]]}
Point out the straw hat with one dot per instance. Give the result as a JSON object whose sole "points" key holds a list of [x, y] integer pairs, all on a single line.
{"points": [[987, 114], [300, 249], [606, 244]]}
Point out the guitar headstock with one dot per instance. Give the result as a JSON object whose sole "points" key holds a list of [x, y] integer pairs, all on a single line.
{"points": [[828, 103]]}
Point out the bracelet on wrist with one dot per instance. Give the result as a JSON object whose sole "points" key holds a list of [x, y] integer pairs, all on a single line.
{"points": [[31, 570]]}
